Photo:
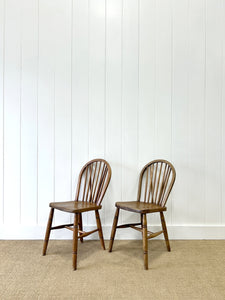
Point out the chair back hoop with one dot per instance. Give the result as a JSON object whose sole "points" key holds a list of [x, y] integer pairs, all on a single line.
{"points": [[93, 181], [156, 181]]}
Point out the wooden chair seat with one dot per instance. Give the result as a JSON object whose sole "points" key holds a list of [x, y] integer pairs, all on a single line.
{"points": [[75, 206], [140, 207]]}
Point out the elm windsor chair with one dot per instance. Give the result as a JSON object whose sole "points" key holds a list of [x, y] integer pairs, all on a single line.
{"points": [[92, 184], [155, 183]]}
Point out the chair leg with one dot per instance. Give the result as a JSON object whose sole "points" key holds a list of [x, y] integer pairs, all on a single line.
{"points": [[145, 241], [98, 221], [80, 225], [141, 221], [75, 239], [48, 230], [165, 230], [115, 221]]}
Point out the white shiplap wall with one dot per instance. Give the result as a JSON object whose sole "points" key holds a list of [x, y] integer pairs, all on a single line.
{"points": [[127, 80]]}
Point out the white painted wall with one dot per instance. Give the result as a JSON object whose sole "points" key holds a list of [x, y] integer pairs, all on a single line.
{"points": [[127, 80]]}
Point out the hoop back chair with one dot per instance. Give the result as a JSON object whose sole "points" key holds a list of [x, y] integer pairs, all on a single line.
{"points": [[92, 184], [155, 184]]}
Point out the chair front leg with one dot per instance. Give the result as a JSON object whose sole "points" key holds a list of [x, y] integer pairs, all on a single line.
{"points": [[75, 239], [48, 230], [98, 221], [115, 221], [145, 240], [80, 225], [165, 230]]}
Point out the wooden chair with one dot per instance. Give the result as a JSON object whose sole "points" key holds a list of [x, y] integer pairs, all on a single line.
{"points": [[92, 184], [155, 183]]}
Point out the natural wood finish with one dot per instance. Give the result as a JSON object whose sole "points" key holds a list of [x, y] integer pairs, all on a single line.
{"points": [[48, 230], [136, 228], [80, 226], [155, 184], [116, 217], [128, 225], [99, 225], [145, 241], [61, 226], [154, 234], [140, 207], [75, 235], [84, 234], [165, 231], [92, 184], [74, 206]]}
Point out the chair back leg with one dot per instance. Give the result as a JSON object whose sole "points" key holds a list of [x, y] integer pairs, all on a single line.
{"points": [[165, 231], [48, 230], [115, 221], [145, 240], [80, 225], [75, 240], [98, 221]]}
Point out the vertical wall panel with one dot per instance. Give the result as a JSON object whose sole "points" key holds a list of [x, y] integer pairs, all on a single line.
{"points": [[163, 78], [130, 95], [96, 82], [62, 117], [80, 90], [196, 93], [113, 104], [46, 109], [12, 94], [213, 111], [222, 180], [128, 80], [29, 68], [147, 86], [163, 83], [179, 110], [96, 78], [2, 60], [147, 82]]}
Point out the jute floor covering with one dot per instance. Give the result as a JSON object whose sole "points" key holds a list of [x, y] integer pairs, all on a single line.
{"points": [[192, 270]]}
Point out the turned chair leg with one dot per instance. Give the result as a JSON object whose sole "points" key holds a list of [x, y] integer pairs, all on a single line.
{"points": [[165, 230], [98, 221], [48, 230], [114, 229], [75, 240], [145, 241], [80, 225]]}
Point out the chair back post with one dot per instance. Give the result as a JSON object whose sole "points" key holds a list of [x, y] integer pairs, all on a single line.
{"points": [[93, 181]]}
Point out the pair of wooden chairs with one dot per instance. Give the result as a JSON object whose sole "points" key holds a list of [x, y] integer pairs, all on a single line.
{"points": [[155, 183]]}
